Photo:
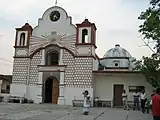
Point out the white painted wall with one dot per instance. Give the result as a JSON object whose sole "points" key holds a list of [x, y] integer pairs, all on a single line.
{"points": [[62, 26], [21, 52], [75, 93], [84, 50], [18, 90], [103, 84], [35, 93], [95, 64], [93, 50], [111, 62]]}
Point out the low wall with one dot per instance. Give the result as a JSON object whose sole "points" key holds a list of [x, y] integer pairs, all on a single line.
{"points": [[4, 97]]}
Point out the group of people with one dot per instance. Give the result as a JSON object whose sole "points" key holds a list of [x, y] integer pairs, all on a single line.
{"points": [[146, 104], [137, 99]]}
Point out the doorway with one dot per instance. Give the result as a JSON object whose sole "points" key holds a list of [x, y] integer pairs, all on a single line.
{"points": [[51, 90], [118, 90]]}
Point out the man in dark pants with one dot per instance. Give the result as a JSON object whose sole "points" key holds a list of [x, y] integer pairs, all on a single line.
{"points": [[136, 101], [143, 101], [156, 105]]}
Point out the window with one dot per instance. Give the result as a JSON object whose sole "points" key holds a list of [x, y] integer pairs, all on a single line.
{"points": [[52, 58], [22, 39], [84, 36], [136, 88], [116, 63]]}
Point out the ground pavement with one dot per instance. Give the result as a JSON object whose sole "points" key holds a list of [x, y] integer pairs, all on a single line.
{"points": [[55, 112]]}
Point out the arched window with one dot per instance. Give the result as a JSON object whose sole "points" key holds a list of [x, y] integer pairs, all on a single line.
{"points": [[22, 39], [84, 36], [52, 58]]}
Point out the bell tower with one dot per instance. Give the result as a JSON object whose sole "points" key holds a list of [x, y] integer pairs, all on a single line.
{"points": [[23, 35], [86, 39], [21, 61]]}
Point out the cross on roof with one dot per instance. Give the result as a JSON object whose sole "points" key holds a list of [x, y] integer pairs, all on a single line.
{"points": [[55, 2]]}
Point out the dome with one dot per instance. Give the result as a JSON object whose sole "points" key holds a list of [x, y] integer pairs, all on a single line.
{"points": [[117, 51]]}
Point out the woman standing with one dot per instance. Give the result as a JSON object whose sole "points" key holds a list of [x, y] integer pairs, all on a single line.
{"points": [[143, 101], [86, 104]]}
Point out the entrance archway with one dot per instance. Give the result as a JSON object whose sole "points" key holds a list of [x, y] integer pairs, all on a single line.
{"points": [[51, 90]]}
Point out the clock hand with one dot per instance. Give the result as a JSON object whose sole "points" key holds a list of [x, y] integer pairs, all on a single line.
{"points": [[55, 17]]}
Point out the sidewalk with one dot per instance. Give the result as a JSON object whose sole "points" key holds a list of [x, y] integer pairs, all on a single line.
{"points": [[120, 114]]}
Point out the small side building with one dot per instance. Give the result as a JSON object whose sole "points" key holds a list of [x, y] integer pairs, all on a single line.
{"points": [[115, 74], [5, 82]]}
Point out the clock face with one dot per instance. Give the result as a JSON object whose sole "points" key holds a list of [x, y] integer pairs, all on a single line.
{"points": [[54, 16]]}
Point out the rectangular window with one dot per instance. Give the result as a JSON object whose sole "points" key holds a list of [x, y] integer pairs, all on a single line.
{"points": [[136, 88]]}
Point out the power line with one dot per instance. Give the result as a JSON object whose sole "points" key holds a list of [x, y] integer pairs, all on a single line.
{"points": [[6, 60], [1, 36]]}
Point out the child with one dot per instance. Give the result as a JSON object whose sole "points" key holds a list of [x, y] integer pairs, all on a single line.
{"points": [[148, 106]]}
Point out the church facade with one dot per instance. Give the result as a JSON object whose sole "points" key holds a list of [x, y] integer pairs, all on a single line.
{"points": [[56, 61]]}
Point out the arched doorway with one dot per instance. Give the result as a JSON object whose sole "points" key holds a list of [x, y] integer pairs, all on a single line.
{"points": [[51, 90]]}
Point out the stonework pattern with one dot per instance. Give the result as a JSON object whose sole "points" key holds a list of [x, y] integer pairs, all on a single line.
{"points": [[83, 72], [20, 70], [36, 60], [68, 60]]}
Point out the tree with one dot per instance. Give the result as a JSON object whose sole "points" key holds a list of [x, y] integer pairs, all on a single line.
{"points": [[149, 66], [150, 30]]}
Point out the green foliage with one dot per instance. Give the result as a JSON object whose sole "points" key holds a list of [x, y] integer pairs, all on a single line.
{"points": [[150, 29], [150, 67]]}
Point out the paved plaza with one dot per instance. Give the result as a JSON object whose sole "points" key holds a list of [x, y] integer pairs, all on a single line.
{"points": [[55, 112]]}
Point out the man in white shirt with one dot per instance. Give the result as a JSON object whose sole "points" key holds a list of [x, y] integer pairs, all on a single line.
{"points": [[124, 98], [143, 98]]}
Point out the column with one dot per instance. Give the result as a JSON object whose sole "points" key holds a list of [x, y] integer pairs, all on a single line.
{"points": [[61, 57], [61, 100], [39, 88], [43, 57], [40, 81]]}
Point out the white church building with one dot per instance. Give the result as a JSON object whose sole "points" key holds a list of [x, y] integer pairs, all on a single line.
{"points": [[56, 61]]}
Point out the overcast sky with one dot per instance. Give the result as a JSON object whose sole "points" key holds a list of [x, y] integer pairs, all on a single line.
{"points": [[116, 21]]}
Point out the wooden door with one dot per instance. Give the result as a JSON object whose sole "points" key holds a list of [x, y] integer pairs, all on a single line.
{"points": [[55, 91], [118, 90]]}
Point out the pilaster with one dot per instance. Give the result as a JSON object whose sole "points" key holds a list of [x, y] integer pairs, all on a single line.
{"points": [[61, 100], [40, 80], [43, 57], [61, 57]]}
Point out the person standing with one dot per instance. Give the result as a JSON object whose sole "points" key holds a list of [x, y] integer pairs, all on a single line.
{"points": [[136, 101], [156, 105], [143, 101], [86, 104], [124, 98]]}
